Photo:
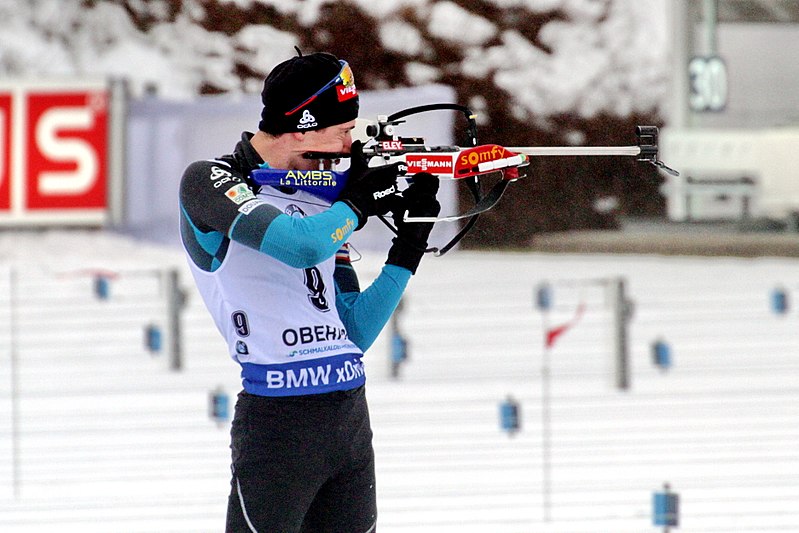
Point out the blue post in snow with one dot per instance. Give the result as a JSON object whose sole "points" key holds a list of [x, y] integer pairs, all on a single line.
{"points": [[101, 287], [666, 508], [543, 297], [399, 351], [219, 406], [399, 344], [509, 418], [153, 338], [661, 354], [779, 301]]}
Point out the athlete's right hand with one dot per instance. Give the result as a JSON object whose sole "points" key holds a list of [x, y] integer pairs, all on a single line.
{"points": [[370, 191]]}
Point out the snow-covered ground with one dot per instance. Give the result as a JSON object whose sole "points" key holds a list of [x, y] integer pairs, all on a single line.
{"points": [[109, 439]]}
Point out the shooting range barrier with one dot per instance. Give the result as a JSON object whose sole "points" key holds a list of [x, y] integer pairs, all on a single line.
{"points": [[79, 315], [718, 425]]}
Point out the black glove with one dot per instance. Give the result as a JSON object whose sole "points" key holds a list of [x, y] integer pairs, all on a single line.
{"points": [[369, 191], [419, 200]]}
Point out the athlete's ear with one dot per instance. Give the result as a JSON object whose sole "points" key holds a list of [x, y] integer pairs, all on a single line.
{"points": [[298, 135]]}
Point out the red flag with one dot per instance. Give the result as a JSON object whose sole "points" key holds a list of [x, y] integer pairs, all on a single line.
{"points": [[554, 333]]}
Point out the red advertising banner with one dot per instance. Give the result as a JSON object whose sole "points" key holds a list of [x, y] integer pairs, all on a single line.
{"points": [[5, 151], [54, 152]]}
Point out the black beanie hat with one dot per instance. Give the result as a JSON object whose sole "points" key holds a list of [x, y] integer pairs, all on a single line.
{"points": [[292, 82]]}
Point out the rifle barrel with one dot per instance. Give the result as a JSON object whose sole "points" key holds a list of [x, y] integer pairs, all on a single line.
{"points": [[576, 150]]}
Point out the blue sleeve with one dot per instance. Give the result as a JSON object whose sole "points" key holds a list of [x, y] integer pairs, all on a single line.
{"points": [[208, 216], [297, 242], [364, 314]]}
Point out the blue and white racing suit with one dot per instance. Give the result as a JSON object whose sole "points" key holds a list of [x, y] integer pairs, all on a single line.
{"points": [[272, 266]]}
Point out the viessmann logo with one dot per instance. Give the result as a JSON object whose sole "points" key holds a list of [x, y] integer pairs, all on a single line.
{"points": [[345, 93], [53, 152], [429, 163]]}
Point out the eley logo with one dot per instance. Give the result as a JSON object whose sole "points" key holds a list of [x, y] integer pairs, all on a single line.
{"points": [[441, 164], [53, 153], [392, 145]]}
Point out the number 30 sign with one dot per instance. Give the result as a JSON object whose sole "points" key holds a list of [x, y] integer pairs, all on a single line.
{"points": [[707, 78]]}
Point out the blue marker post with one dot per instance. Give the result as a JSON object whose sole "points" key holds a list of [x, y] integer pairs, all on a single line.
{"points": [[219, 406], [666, 508], [543, 296], [509, 418], [102, 287], [661, 354], [399, 344], [779, 301], [399, 352], [153, 338]]}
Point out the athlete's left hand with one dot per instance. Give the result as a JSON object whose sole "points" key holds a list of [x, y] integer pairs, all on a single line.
{"points": [[418, 200]]}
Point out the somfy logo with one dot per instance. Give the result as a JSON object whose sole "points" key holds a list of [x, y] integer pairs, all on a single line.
{"points": [[307, 120]]}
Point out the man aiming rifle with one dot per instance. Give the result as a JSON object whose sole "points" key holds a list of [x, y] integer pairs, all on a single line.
{"points": [[272, 265]]}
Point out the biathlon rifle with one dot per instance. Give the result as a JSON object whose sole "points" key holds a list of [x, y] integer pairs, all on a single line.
{"points": [[384, 146]]}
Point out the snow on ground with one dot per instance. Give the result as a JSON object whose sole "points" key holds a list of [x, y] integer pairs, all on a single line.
{"points": [[75, 249], [128, 446]]}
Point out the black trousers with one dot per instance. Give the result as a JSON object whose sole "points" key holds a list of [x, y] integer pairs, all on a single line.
{"points": [[302, 464]]}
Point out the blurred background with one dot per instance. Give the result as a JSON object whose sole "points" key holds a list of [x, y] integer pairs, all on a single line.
{"points": [[612, 348]]}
